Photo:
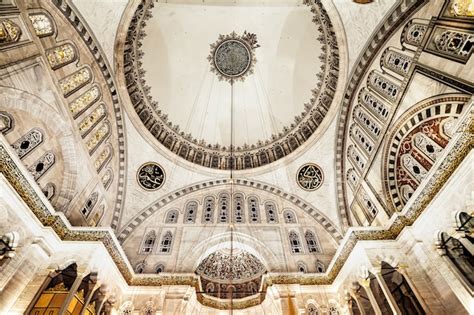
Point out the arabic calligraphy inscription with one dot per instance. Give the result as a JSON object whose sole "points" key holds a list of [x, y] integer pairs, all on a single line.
{"points": [[151, 176], [310, 176]]}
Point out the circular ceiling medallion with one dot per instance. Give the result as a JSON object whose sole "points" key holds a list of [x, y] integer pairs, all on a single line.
{"points": [[232, 57], [174, 91], [310, 177], [151, 176]]}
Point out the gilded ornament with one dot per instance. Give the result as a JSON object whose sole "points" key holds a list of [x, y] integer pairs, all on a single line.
{"points": [[9, 31], [42, 24]]}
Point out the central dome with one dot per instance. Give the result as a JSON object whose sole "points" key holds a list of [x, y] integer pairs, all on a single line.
{"points": [[180, 87]]}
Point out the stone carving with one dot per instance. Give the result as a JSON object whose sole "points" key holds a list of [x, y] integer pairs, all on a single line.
{"points": [[9, 31], [356, 158], [384, 86], [367, 122], [75, 81], [310, 177], [49, 191], [61, 55], [361, 139], [28, 142], [150, 176], [232, 56], [103, 158], [249, 155], [375, 105], [396, 61], [462, 8], [42, 24]]}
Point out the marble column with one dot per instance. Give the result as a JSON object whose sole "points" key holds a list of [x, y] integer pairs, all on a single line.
{"points": [[365, 283], [386, 291]]}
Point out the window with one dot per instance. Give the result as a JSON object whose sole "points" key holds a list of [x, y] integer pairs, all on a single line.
{"points": [[375, 105], [90, 204], [208, 211], [159, 268], [166, 242], [172, 216], [149, 242], [320, 267], [289, 216], [190, 213], [383, 86], [239, 216], [361, 138], [313, 246], [302, 267], [295, 243], [28, 142], [271, 211], [223, 208], [311, 309], [140, 267], [40, 167], [253, 208]]}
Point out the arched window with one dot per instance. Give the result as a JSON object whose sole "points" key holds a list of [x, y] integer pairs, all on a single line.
{"points": [[295, 243], [208, 211], [223, 208], [385, 87], [160, 268], [28, 142], [49, 191], [75, 81], [311, 309], [367, 122], [289, 216], [98, 136], [91, 120], [356, 158], [107, 178], [210, 287], [90, 204], [361, 138], [352, 178], [302, 267], [149, 242], [84, 101], [333, 310], [253, 208], [166, 242], [42, 165], [103, 158], [252, 288], [312, 242], [190, 212], [42, 24], [126, 308], [396, 61], [271, 211], [172, 216], [97, 216], [375, 105], [140, 267], [320, 267], [60, 56], [239, 216]]}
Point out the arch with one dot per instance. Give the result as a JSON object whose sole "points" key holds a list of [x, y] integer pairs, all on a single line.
{"points": [[172, 216], [295, 243], [148, 242], [159, 268], [223, 208], [239, 212], [253, 209], [107, 178], [42, 24], [320, 267], [401, 291], [289, 216], [28, 142], [166, 243], [126, 308], [271, 212], [140, 267], [7, 123], [208, 209], [311, 309], [17, 100], [312, 242], [301, 267], [190, 212], [90, 204], [61, 55]]}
